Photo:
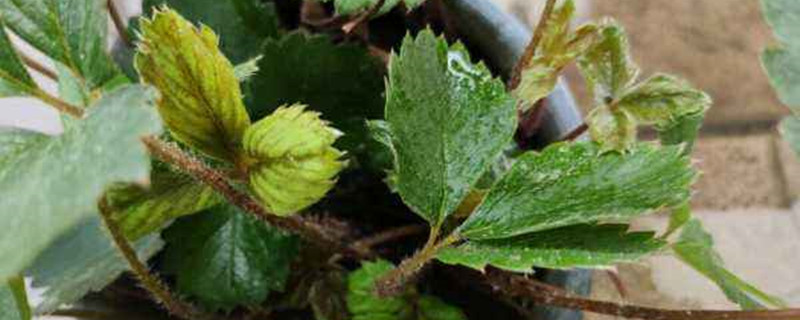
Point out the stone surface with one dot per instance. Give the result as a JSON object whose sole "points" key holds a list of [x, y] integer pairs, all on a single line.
{"points": [[789, 168], [714, 44], [738, 171], [760, 246]]}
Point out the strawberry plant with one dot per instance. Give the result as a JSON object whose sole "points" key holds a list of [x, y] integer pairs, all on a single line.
{"points": [[289, 159]]}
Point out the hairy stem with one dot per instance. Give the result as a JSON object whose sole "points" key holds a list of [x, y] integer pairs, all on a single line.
{"points": [[530, 50], [57, 103], [309, 230], [150, 282], [119, 24], [390, 235], [393, 282], [518, 286]]}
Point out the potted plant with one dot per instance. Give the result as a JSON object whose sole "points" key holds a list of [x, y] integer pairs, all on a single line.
{"points": [[338, 160]]}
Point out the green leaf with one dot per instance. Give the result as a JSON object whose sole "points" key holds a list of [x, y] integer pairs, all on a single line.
{"points": [[348, 7], [570, 184], [225, 258], [14, 78], [246, 70], [578, 246], [695, 247], [342, 81], [607, 65], [81, 261], [72, 32], [294, 163], [683, 130], [783, 63], [678, 218], [365, 305], [140, 210], [41, 203], [449, 121], [201, 102], [790, 129], [14, 300], [559, 46], [243, 25]]}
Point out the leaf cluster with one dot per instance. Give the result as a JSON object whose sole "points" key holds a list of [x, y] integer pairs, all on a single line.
{"points": [[280, 116]]}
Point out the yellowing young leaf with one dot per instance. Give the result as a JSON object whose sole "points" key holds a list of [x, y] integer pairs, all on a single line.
{"points": [[293, 161], [607, 65], [613, 129], [201, 101], [673, 106], [140, 210], [662, 99], [558, 47]]}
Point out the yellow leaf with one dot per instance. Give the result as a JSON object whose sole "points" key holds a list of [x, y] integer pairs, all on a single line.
{"points": [[294, 163], [201, 101]]}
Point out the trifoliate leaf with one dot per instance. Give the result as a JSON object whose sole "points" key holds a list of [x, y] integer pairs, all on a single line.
{"points": [[225, 258], [14, 78], [579, 246], [558, 47], [365, 305], [613, 129], [139, 210], [570, 184], [72, 32], [348, 7], [294, 163], [246, 70], [201, 102], [242, 24], [14, 300], [82, 261], [607, 65], [790, 129], [449, 121], [695, 247], [783, 63], [670, 104], [50, 184], [342, 81]]}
